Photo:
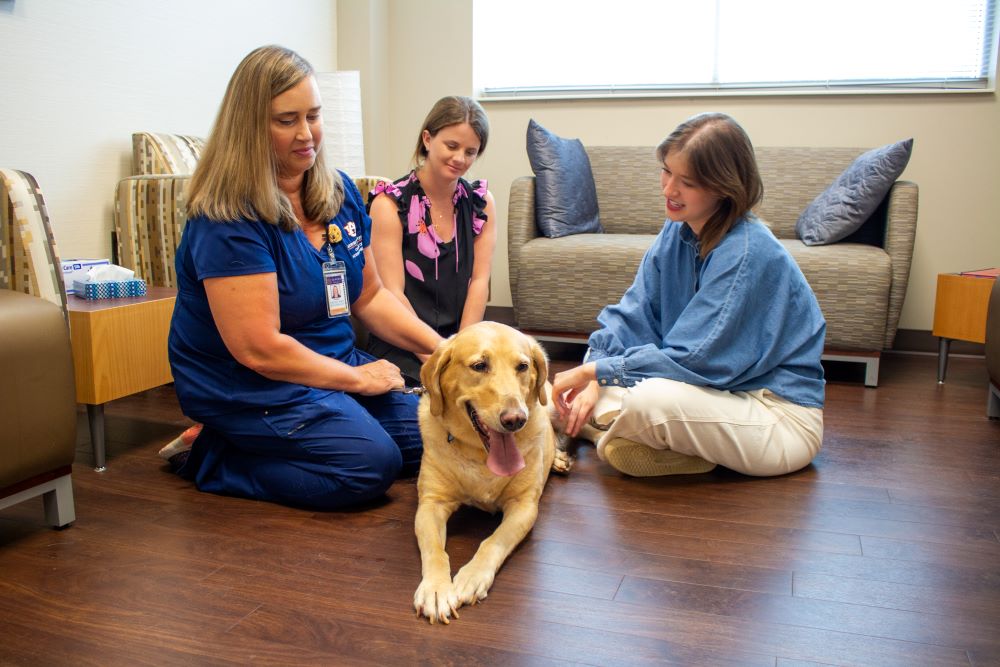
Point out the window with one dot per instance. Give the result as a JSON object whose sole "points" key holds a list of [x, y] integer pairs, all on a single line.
{"points": [[581, 48]]}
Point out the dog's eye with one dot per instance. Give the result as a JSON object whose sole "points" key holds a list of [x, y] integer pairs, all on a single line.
{"points": [[522, 367], [480, 367]]}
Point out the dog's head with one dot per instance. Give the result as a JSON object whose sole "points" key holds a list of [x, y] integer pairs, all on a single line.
{"points": [[484, 380]]}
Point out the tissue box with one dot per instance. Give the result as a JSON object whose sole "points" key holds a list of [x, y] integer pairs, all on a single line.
{"points": [[110, 289], [74, 270]]}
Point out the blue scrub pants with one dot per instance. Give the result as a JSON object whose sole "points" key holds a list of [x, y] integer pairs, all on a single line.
{"points": [[340, 451]]}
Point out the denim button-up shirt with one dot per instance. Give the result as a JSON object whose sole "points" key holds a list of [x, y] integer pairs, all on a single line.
{"points": [[743, 318]]}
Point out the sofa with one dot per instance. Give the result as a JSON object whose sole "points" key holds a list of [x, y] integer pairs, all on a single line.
{"points": [[150, 212], [559, 285]]}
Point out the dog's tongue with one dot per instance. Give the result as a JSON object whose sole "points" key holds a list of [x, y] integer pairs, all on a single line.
{"points": [[504, 459]]}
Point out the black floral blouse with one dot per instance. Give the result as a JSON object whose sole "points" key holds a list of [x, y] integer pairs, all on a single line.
{"points": [[437, 274]]}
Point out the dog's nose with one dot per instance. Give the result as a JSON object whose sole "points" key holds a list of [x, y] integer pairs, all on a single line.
{"points": [[513, 420]]}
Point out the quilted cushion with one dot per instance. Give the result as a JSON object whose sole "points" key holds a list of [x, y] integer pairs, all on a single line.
{"points": [[565, 195], [849, 201]]}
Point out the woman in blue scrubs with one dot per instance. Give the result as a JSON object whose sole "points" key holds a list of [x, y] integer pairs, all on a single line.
{"points": [[273, 263]]}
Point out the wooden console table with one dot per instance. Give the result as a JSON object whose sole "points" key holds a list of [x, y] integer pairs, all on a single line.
{"points": [[959, 312], [119, 349]]}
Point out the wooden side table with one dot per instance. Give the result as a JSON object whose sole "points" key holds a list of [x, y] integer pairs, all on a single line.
{"points": [[959, 312], [119, 349]]}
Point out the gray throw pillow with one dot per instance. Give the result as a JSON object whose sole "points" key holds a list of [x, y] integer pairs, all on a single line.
{"points": [[849, 201], [565, 195]]}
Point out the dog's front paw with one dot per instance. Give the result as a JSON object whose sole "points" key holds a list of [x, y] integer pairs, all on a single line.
{"points": [[562, 462], [472, 583], [436, 600]]}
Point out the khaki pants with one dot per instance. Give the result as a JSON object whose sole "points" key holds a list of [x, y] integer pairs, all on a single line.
{"points": [[754, 432]]}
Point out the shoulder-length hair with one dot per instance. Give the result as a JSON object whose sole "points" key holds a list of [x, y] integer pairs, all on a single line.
{"points": [[721, 159], [448, 111], [237, 175]]}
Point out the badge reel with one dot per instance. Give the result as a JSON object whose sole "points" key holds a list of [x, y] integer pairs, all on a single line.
{"points": [[338, 303]]}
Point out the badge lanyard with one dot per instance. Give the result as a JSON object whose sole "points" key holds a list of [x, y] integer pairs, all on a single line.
{"points": [[338, 303]]}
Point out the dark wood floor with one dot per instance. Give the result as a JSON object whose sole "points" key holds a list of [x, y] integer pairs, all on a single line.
{"points": [[884, 552]]}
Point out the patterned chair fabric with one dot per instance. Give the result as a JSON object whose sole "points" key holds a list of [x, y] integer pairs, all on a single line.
{"points": [[29, 261], [157, 153], [150, 206], [860, 287], [149, 217]]}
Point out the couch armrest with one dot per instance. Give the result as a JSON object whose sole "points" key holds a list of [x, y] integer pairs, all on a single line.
{"points": [[521, 228], [900, 231], [149, 217]]}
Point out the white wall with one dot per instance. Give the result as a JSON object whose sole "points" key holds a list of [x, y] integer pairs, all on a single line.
{"points": [[78, 78], [955, 155]]}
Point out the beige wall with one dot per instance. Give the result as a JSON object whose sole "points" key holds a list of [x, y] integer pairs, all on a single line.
{"points": [[78, 78], [425, 52]]}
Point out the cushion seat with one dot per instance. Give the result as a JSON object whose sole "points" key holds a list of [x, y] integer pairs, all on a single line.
{"points": [[578, 272]]}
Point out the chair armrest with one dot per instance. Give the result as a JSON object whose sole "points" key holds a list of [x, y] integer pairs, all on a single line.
{"points": [[992, 347], [367, 183], [38, 394], [900, 231], [149, 216], [521, 227]]}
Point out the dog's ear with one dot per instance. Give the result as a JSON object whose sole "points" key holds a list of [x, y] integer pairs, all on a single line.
{"points": [[541, 364], [430, 375]]}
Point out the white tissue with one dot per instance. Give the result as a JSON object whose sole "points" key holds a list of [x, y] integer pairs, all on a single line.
{"points": [[106, 272]]}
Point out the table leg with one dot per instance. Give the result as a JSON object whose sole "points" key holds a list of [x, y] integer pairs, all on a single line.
{"points": [[943, 346], [95, 416]]}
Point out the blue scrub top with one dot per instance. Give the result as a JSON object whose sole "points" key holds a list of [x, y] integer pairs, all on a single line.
{"points": [[208, 380]]}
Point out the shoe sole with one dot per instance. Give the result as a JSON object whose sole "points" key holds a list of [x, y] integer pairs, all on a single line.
{"points": [[638, 460], [181, 443], [172, 448]]}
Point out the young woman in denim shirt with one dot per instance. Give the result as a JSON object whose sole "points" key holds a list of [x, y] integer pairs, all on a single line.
{"points": [[712, 356]]}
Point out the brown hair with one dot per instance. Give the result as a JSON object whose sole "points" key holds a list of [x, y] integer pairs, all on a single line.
{"points": [[237, 175], [721, 159], [448, 111]]}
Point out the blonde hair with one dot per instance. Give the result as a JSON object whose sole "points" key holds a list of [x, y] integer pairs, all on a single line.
{"points": [[721, 159], [449, 111], [237, 175]]}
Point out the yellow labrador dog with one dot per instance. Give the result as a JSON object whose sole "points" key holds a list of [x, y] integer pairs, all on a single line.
{"points": [[489, 443]]}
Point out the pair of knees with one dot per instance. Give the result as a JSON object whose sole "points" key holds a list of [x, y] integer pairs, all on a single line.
{"points": [[641, 399]]}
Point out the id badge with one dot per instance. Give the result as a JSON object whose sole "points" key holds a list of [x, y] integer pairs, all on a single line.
{"points": [[335, 281]]}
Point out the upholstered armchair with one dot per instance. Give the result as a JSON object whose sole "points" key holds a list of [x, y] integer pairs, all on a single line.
{"points": [[150, 210], [993, 351], [38, 394]]}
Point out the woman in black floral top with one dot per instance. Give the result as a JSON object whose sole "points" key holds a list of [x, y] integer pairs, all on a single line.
{"points": [[433, 232]]}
